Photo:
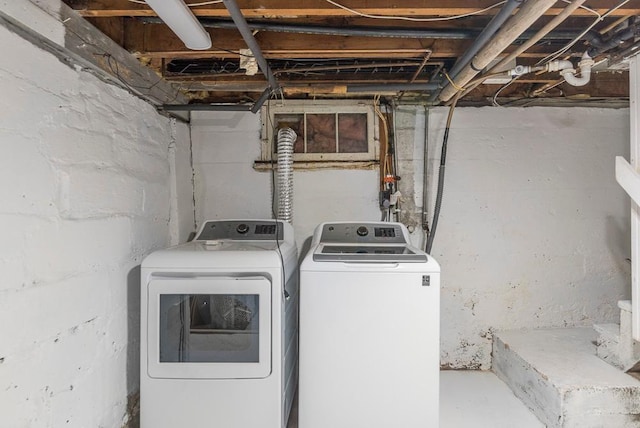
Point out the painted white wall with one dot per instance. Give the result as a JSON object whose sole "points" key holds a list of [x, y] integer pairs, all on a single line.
{"points": [[87, 171], [533, 230], [225, 145]]}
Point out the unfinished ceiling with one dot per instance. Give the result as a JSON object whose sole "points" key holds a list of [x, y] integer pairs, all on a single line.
{"points": [[326, 48]]}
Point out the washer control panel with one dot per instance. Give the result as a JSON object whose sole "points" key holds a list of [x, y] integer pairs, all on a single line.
{"points": [[363, 233], [241, 230]]}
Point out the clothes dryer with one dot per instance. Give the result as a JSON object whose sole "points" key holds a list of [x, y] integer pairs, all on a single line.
{"points": [[219, 328], [369, 329]]}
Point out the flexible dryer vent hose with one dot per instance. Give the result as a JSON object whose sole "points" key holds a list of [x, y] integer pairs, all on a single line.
{"points": [[286, 139]]}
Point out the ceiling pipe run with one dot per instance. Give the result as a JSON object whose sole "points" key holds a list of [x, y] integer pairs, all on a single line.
{"points": [[383, 32], [557, 20], [401, 33], [247, 35], [492, 27], [392, 87], [489, 31], [515, 26]]}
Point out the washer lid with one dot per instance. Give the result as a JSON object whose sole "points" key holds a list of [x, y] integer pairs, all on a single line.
{"points": [[367, 253]]}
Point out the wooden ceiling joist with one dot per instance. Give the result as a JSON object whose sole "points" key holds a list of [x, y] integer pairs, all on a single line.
{"points": [[298, 9]]}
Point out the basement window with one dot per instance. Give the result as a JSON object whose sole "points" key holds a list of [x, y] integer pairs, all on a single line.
{"points": [[329, 132]]}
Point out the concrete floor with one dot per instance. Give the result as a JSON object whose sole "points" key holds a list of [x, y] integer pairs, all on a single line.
{"points": [[474, 399]]}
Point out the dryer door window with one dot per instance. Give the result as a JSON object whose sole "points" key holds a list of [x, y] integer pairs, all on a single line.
{"points": [[209, 328]]}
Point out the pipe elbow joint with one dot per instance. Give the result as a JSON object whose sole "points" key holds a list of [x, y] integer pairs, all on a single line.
{"points": [[585, 72], [573, 80]]}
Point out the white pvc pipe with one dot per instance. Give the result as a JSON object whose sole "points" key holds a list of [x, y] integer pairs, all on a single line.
{"points": [[585, 72], [286, 139], [569, 73]]}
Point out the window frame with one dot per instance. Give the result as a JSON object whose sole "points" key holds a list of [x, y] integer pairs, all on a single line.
{"points": [[321, 107]]}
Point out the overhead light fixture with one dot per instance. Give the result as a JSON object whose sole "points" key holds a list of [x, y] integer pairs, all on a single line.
{"points": [[177, 15]]}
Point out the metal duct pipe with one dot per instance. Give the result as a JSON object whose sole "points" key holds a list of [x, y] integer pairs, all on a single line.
{"points": [[516, 25], [403, 33], [251, 42], [368, 31], [261, 100], [286, 138], [492, 27], [207, 107]]}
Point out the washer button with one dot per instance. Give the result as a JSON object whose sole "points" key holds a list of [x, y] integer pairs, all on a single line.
{"points": [[362, 231], [242, 228]]}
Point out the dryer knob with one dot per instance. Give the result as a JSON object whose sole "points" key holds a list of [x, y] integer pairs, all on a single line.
{"points": [[242, 228], [362, 231]]}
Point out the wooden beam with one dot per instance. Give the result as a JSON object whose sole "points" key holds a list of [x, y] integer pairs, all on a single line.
{"points": [[278, 9], [90, 44], [88, 49]]}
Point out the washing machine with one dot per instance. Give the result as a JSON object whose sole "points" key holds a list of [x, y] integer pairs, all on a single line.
{"points": [[369, 329], [218, 339]]}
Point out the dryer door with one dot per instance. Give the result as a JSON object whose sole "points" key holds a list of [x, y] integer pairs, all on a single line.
{"points": [[209, 328]]}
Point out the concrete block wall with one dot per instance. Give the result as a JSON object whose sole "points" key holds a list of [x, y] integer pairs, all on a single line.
{"points": [[89, 182]]}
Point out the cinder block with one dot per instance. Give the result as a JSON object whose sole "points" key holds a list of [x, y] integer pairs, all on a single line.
{"points": [[57, 250], [50, 310], [410, 144], [409, 117], [66, 146], [99, 192], [151, 167], [149, 234], [28, 178]]}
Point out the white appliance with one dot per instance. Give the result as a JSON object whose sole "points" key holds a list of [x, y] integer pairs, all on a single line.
{"points": [[369, 329], [219, 338]]}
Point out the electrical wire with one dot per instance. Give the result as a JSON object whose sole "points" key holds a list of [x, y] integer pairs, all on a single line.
{"points": [[396, 169], [587, 8], [494, 100], [443, 162], [388, 173], [232, 51], [408, 18]]}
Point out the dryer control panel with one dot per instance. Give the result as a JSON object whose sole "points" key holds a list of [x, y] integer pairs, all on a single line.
{"points": [[363, 233], [241, 230]]}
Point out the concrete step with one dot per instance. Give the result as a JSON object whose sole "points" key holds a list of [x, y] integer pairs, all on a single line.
{"points": [[558, 375]]}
